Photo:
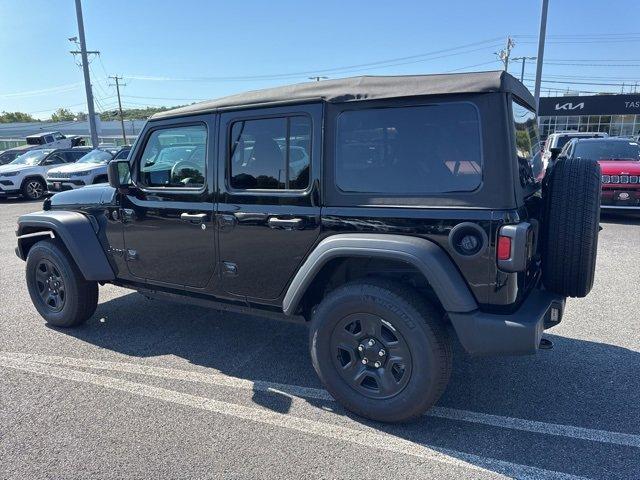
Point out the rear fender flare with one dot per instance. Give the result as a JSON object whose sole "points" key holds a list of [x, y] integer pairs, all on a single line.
{"points": [[426, 256], [76, 232]]}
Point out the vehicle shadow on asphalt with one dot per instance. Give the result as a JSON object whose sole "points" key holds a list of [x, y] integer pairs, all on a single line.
{"points": [[580, 383], [632, 218]]}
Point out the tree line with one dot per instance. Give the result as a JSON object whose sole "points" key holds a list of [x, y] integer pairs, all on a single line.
{"points": [[66, 115]]}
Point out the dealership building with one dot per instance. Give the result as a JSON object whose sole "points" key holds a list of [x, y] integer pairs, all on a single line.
{"points": [[617, 115]]}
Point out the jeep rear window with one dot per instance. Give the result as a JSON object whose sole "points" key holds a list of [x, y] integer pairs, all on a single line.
{"points": [[409, 150]]}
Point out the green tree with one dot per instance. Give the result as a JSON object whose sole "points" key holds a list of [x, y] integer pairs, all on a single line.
{"points": [[62, 115], [13, 117]]}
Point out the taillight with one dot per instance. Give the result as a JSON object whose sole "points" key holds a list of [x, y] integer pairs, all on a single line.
{"points": [[504, 247]]}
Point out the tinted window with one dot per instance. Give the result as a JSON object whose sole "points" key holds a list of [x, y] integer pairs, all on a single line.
{"points": [[607, 149], [122, 154], [48, 139], [55, 159], [58, 136], [270, 153], [530, 164], [175, 157], [409, 150], [74, 155]]}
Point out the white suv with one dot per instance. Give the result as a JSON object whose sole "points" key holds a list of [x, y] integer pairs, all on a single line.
{"points": [[26, 174], [92, 168]]}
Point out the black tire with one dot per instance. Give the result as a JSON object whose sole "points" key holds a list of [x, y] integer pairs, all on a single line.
{"points": [[33, 188], [572, 215], [417, 327], [57, 288]]}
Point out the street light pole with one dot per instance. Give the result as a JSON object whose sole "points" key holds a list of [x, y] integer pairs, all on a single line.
{"points": [[117, 79], [541, 39], [87, 78]]}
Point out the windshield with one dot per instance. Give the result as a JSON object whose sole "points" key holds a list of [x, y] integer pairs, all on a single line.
{"points": [[31, 158], [96, 156], [607, 150]]}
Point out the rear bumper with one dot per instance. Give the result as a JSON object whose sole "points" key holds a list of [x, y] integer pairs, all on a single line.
{"points": [[518, 333]]}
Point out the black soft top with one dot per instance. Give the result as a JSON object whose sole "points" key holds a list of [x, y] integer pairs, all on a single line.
{"points": [[364, 88]]}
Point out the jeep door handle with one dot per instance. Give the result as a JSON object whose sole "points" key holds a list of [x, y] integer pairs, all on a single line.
{"points": [[286, 223], [193, 217]]}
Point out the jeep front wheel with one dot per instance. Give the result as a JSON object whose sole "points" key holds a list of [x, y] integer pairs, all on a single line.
{"points": [[57, 288], [33, 188], [380, 350]]}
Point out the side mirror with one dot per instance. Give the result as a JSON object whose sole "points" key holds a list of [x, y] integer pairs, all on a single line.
{"points": [[119, 173]]}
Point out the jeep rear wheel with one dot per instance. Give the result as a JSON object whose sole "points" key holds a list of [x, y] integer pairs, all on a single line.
{"points": [[33, 188], [380, 350], [57, 288]]}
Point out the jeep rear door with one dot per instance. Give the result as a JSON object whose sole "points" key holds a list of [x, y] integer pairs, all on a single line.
{"points": [[269, 208]]}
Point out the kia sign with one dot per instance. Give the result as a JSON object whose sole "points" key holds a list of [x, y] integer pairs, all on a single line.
{"points": [[592, 105]]}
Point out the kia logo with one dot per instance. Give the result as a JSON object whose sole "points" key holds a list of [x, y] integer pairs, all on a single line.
{"points": [[570, 106], [623, 196]]}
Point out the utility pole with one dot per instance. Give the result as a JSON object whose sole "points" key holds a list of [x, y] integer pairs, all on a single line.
{"points": [[506, 53], [317, 78], [524, 59], [117, 79], [87, 79], [541, 40]]}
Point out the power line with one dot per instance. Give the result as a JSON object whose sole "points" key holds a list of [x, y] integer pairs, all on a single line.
{"points": [[367, 66]]}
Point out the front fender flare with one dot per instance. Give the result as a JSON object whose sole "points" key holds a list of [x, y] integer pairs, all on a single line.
{"points": [[426, 256], [78, 234]]}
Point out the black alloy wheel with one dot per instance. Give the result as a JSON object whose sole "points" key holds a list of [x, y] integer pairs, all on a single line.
{"points": [[380, 349], [50, 285], [371, 355]]}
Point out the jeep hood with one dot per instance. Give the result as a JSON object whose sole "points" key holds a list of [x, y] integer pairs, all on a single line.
{"points": [[16, 168], [99, 194], [79, 167], [620, 167]]}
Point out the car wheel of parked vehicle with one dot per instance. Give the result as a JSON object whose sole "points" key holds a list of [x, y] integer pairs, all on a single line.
{"points": [[380, 350], [57, 288], [572, 211], [33, 188]]}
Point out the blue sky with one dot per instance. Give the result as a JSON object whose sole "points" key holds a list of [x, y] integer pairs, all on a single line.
{"points": [[174, 52]]}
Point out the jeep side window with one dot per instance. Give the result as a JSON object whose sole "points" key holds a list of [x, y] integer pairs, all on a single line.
{"points": [[270, 153], [527, 145], [174, 157], [409, 150]]}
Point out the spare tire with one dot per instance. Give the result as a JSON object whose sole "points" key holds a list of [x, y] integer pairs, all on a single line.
{"points": [[571, 225]]}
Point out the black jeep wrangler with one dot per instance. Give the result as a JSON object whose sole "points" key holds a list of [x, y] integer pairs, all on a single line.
{"points": [[381, 210]]}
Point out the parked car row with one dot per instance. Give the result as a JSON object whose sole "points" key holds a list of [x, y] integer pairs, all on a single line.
{"points": [[37, 171], [39, 141]]}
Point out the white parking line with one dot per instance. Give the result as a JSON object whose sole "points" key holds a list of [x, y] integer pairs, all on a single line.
{"points": [[216, 378], [379, 440]]}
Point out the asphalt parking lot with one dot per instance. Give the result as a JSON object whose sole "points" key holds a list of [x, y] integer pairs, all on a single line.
{"points": [[147, 389]]}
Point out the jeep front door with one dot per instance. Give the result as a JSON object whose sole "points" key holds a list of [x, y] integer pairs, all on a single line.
{"points": [[269, 211], [168, 214]]}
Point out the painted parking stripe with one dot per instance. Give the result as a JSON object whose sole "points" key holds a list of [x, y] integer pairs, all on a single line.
{"points": [[379, 440], [579, 433]]}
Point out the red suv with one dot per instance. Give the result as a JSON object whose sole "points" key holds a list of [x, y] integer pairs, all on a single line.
{"points": [[619, 160]]}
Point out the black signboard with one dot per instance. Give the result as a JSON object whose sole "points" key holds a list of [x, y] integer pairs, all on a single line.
{"points": [[591, 105]]}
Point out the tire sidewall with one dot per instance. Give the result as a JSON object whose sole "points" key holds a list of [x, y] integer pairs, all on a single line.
{"points": [[26, 182], [48, 250], [419, 393]]}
